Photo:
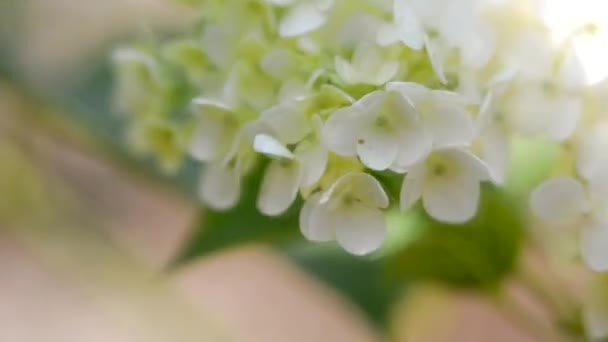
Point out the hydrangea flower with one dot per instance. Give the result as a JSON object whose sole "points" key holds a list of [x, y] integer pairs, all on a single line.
{"points": [[448, 182], [338, 96], [382, 128], [303, 16], [350, 212]]}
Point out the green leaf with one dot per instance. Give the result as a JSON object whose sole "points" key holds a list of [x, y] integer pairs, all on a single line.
{"points": [[243, 224], [479, 253]]}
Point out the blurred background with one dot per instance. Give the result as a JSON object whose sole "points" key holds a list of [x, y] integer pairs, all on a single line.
{"points": [[88, 232]]}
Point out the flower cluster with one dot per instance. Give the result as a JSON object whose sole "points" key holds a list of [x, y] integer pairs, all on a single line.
{"points": [[335, 92]]}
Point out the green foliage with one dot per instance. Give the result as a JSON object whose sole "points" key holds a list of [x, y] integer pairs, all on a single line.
{"points": [[479, 253]]}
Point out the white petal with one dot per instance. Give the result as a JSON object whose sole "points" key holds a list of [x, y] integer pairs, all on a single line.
{"points": [[387, 71], [345, 70], [412, 187], [266, 144], [558, 199], [360, 230], [530, 111], [594, 247], [313, 158], [210, 104], [210, 140], [314, 223], [279, 63], [468, 162], [495, 145], [566, 117], [388, 34], [362, 187], [414, 145], [487, 112], [451, 199], [414, 92], [449, 125], [437, 58], [279, 187], [377, 148], [288, 121], [598, 183], [371, 64], [342, 130], [301, 19], [478, 48], [282, 3], [591, 153], [292, 89], [411, 32], [220, 186]]}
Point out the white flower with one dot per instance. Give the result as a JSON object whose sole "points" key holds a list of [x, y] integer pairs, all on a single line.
{"points": [[139, 75], [441, 26], [591, 156], [448, 182], [546, 98], [220, 185], [545, 108], [564, 200], [303, 16], [288, 172], [382, 128], [367, 66], [350, 212], [493, 127], [218, 127], [443, 113]]}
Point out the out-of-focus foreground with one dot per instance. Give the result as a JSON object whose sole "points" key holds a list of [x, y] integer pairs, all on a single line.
{"points": [[85, 234]]}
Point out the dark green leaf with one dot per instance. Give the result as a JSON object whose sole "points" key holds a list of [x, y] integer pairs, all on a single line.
{"points": [[478, 253]]}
